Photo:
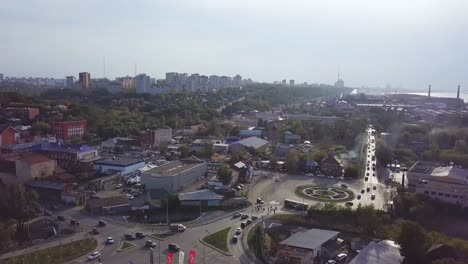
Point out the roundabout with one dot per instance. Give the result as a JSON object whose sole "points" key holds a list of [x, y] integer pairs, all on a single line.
{"points": [[324, 194]]}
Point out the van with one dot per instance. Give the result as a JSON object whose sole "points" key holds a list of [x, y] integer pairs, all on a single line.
{"points": [[177, 228]]}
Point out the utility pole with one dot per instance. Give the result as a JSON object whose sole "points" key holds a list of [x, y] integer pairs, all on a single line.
{"points": [[167, 211]]}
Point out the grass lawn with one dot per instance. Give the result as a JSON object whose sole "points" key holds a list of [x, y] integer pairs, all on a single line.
{"points": [[324, 194], [163, 235], [219, 239], [125, 245], [52, 255]]}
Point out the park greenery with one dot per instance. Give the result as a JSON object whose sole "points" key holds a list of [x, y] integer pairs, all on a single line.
{"points": [[57, 254], [224, 174], [17, 205], [219, 239]]}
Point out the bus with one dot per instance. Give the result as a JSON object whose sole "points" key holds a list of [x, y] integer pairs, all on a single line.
{"points": [[288, 203]]}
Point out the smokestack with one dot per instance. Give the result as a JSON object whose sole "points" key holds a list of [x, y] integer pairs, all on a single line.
{"points": [[429, 93], [458, 92]]}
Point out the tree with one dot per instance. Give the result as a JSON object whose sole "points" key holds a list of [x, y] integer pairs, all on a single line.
{"points": [[40, 128], [319, 156], [383, 153], [273, 162], [460, 146], [184, 150], [18, 203], [224, 174], [413, 241], [351, 172], [292, 160]]}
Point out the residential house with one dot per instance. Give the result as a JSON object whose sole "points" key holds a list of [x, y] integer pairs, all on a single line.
{"points": [[382, 252], [290, 138], [250, 133], [9, 136], [311, 166], [330, 166]]}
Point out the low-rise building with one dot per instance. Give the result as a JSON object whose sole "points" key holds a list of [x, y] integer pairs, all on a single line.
{"points": [[311, 166], [26, 167], [175, 175], [250, 133], [330, 166], [25, 114], [445, 183], [108, 205], [201, 146], [383, 252], [125, 165], [9, 136], [290, 138], [303, 247], [154, 137], [243, 145], [70, 129], [203, 198]]}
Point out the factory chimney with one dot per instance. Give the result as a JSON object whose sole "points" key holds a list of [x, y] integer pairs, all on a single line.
{"points": [[429, 93], [458, 92]]}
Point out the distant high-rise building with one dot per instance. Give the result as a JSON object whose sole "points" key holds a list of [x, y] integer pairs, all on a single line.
{"points": [[237, 80], [283, 82], [1, 77], [291, 82], [142, 83], [69, 81], [85, 80]]}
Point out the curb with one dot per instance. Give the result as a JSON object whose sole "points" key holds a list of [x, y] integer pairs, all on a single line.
{"points": [[215, 248], [162, 239]]}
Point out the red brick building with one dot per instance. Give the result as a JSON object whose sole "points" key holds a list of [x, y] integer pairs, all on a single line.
{"points": [[70, 129], [9, 135], [25, 114]]}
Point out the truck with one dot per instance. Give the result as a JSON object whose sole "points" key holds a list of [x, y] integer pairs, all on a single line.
{"points": [[177, 228]]}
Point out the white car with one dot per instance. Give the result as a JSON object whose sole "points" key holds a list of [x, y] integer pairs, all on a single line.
{"points": [[341, 256], [238, 231], [119, 185], [331, 261], [94, 255], [110, 241], [130, 197]]}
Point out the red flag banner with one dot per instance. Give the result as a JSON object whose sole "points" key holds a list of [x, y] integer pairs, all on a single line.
{"points": [[169, 258], [192, 257]]}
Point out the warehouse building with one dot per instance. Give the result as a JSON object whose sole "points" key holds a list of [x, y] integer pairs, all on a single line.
{"points": [[125, 165], [174, 176]]}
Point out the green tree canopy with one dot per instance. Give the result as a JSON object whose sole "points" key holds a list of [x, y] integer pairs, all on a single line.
{"points": [[18, 203], [413, 241], [224, 174]]}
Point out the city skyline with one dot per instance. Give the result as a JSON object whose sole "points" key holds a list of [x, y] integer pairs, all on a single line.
{"points": [[402, 44]]}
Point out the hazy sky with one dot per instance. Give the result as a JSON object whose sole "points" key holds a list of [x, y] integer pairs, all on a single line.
{"points": [[408, 43]]}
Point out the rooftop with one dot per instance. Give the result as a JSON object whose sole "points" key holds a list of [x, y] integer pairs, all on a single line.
{"points": [[200, 195], [33, 158], [383, 252], [253, 142], [175, 167], [310, 239], [46, 146], [119, 161], [47, 185], [449, 174], [107, 201]]}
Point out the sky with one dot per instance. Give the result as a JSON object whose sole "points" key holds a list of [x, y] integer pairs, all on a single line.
{"points": [[400, 43]]}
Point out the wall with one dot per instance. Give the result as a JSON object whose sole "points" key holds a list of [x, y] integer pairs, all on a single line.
{"points": [[26, 172], [176, 182]]}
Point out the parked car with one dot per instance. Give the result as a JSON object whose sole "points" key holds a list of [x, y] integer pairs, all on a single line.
{"points": [[130, 197], [243, 225], [129, 237], [173, 247], [94, 255], [341, 256], [150, 243], [358, 196], [47, 213], [248, 222], [349, 203], [277, 179], [366, 179], [177, 228], [110, 241], [363, 191], [139, 235], [236, 214], [374, 187], [368, 189], [118, 186], [373, 196]]}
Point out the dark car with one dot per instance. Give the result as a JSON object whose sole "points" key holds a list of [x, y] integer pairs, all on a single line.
{"points": [[349, 203], [139, 235], [234, 239], [368, 189], [47, 213], [254, 217], [244, 216], [173, 247], [343, 185], [367, 178], [102, 223], [248, 222], [363, 191], [129, 237], [243, 225], [61, 218], [236, 214], [95, 231], [358, 196], [260, 201]]}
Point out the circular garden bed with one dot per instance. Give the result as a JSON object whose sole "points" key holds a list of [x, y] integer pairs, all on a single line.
{"points": [[324, 194]]}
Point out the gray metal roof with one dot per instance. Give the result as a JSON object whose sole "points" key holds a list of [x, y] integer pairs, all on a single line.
{"points": [[119, 161], [383, 252], [200, 195], [311, 239], [253, 142]]}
